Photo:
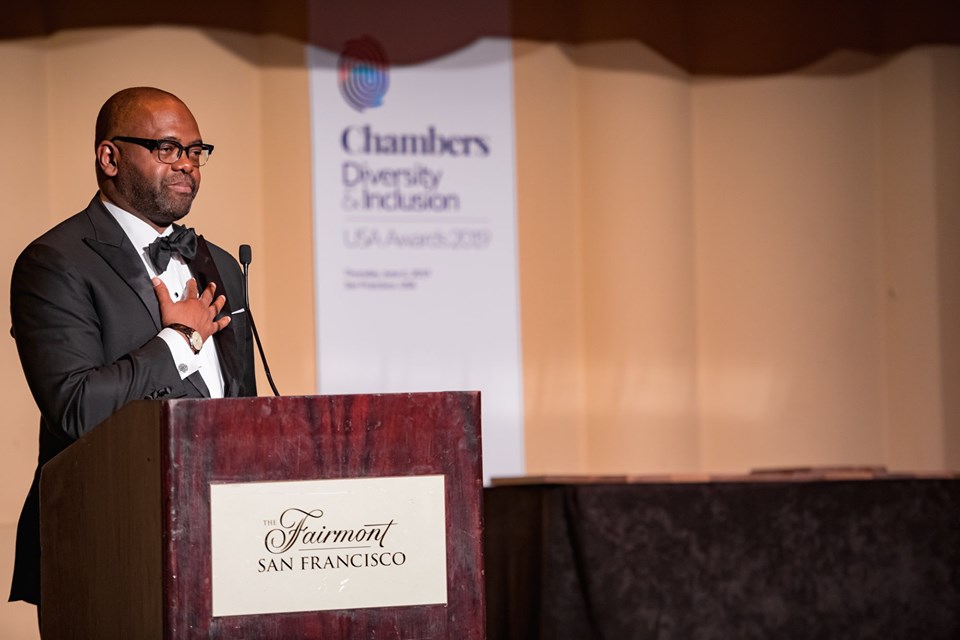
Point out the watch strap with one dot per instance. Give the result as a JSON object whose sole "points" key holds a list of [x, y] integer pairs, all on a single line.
{"points": [[188, 333]]}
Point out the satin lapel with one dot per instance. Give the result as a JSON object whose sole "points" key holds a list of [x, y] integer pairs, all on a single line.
{"points": [[205, 270], [115, 248], [197, 381]]}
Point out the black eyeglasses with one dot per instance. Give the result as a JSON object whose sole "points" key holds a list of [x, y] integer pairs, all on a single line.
{"points": [[169, 151]]}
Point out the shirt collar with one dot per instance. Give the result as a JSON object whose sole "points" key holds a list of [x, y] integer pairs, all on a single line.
{"points": [[139, 232]]}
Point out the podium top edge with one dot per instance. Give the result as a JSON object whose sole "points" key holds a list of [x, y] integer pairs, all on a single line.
{"points": [[391, 394]]}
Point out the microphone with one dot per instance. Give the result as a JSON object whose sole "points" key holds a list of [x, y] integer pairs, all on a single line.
{"points": [[246, 257]]}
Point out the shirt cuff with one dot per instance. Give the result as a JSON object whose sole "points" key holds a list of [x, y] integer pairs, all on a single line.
{"points": [[183, 356]]}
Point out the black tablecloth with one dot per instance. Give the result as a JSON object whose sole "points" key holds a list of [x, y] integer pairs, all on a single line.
{"points": [[730, 560]]}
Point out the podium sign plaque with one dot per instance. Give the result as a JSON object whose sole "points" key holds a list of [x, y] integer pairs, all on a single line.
{"points": [[281, 547]]}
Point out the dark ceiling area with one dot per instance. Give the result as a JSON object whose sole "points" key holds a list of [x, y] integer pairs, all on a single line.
{"points": [[722, 37]]}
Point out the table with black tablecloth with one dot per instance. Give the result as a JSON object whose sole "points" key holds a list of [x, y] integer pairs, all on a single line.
{"points": [[759, 556]]}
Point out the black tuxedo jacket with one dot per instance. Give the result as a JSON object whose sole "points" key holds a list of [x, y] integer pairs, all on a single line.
{"points": [[85, 319]]}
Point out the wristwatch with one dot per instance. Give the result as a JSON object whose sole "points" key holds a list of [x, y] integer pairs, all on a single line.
{"points": [[193, 336]]}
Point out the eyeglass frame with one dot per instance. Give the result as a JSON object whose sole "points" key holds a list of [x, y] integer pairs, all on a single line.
{"points": [[154, 145]]}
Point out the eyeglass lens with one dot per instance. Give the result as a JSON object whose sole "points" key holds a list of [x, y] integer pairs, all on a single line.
{"points": [[169, 152]]}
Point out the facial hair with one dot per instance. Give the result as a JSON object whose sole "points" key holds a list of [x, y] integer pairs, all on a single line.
{"points": [[153, 200]]}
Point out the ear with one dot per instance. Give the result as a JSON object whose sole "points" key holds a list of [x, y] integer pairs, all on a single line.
{"points": [[107, 153]]}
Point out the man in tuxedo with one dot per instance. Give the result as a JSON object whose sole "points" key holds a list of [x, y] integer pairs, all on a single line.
{"points": [[117, 303]]}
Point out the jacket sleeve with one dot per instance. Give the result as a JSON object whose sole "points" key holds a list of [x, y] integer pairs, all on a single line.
{"points": [[57, 328]]}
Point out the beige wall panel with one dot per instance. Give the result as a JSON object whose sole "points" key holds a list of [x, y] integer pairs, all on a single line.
{"points": [[946, 117], [787, 262], [548, 199], [23, 181], [637, 230], [907, 189], [282, 270]]}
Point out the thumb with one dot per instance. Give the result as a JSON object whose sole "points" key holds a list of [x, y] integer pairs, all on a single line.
{"points": [[160, 290]]}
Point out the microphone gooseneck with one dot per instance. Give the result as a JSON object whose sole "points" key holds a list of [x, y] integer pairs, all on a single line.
{"points": [[246, 257]]}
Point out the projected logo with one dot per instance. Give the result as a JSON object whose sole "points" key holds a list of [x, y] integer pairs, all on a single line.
{"points": [[363, 73]]}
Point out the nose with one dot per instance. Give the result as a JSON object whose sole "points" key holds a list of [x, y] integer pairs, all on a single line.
{"points": [[183, 164]]}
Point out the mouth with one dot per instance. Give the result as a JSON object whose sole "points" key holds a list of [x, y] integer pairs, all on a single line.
{"points": [[183, 186]]}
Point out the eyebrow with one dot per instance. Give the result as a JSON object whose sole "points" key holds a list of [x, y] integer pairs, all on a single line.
{"points": [[185, 144]]}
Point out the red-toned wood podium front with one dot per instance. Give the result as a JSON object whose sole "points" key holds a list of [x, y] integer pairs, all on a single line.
{"points": [[125, 511]]}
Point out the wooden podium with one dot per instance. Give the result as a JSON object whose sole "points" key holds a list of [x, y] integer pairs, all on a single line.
{"points": [[126, 511]]}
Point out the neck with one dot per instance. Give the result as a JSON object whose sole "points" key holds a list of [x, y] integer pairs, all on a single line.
{"points": [[117, 202]]}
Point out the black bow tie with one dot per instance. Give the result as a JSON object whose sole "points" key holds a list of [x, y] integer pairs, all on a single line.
{"points": [[182, 241]]}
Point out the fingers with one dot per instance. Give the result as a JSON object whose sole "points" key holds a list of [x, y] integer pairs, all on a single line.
{"points": [[215, 308], [197, 311], [190, 291], [218, 305], [221, 323], [207, 296]]}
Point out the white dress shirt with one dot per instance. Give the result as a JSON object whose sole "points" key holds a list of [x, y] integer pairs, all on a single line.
{"points": [[175, 278]]}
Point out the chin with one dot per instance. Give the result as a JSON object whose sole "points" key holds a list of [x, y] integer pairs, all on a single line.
{"points": [[166, 218], [176, 211]]}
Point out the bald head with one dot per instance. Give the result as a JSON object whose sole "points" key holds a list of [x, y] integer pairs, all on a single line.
{"points": [[126, 107]]}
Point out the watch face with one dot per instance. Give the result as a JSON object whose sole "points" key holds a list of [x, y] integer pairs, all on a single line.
{"points": [[196, 341]]}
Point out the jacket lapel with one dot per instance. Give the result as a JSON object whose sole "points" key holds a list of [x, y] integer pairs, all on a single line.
{"points": [[115, 248], [205, 270]]}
